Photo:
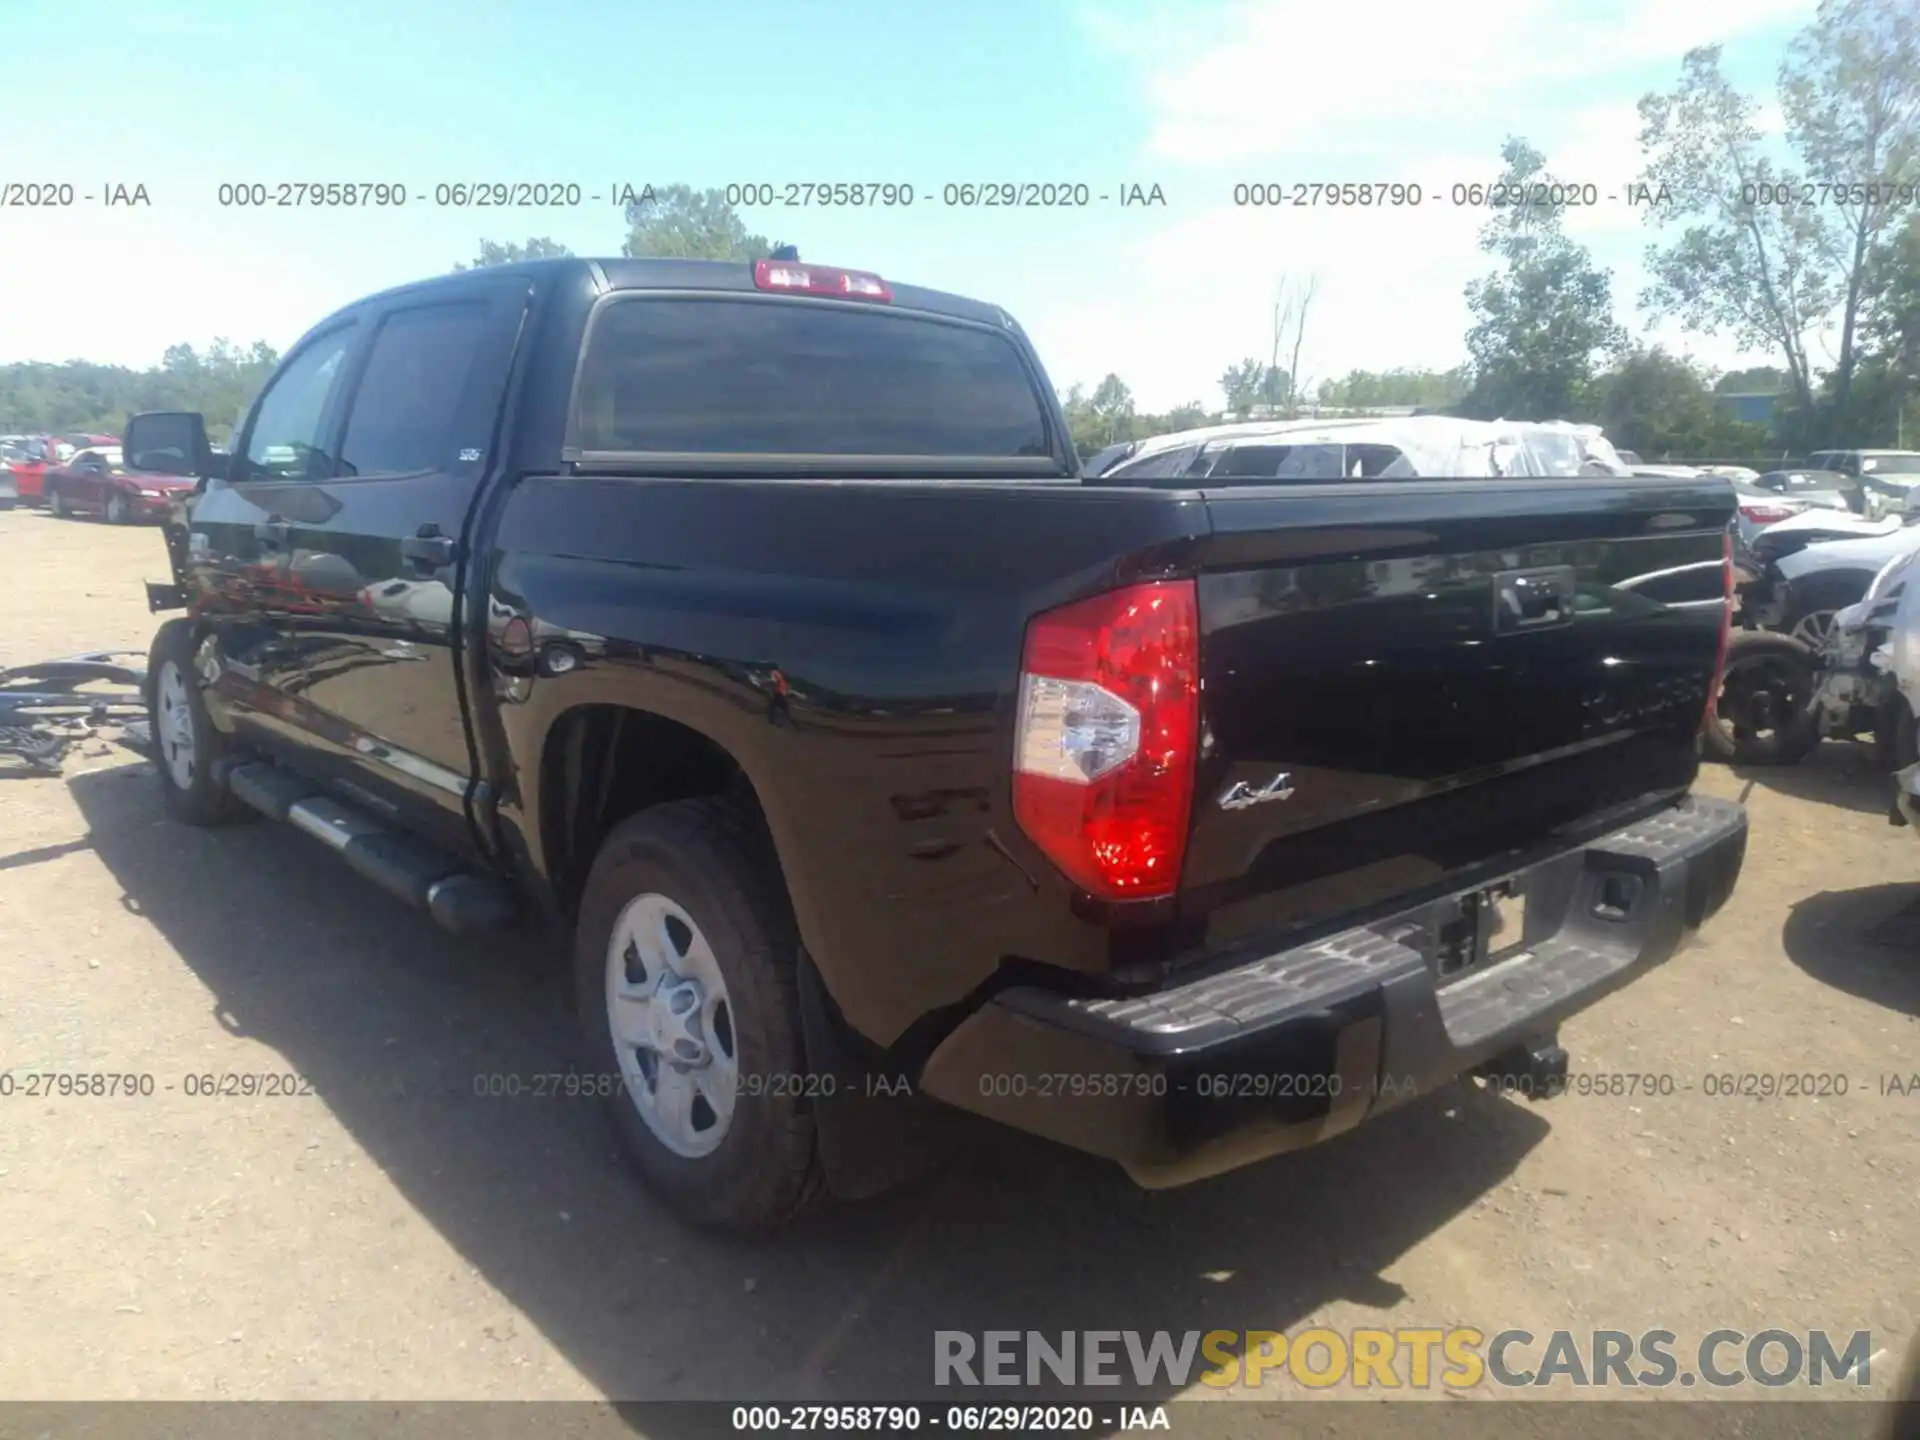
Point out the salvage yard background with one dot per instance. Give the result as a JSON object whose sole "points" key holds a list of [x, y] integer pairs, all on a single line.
{"points": [[393, 1236]]}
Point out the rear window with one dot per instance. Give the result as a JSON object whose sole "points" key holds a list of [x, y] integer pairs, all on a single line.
{"points": [[787, 377], [1165, 465], [1891, 464]]}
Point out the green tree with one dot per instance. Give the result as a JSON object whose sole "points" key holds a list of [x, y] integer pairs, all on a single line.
{"points": [[1190, 416], [1850, 91], [80, 395], [1111, 409], [1542, 322], [1892, 322], [1754, 380], [1249, 382], [1659, 404], [1770, 274], [1360, 389], [493, 252], [679, 222]]}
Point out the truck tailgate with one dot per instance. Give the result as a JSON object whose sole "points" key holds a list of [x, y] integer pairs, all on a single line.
{"points": [[1410, 685]]}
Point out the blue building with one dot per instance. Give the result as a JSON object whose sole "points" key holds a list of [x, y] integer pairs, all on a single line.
{"points": [[1754, 408]]}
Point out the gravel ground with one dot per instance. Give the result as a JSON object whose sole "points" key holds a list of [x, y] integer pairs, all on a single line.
{"points": [[388, 1235]]}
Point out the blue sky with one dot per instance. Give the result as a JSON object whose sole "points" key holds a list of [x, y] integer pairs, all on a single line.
{"points": [[185, 94]]}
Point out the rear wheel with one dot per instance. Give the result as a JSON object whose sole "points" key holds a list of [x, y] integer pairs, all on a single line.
{"points": [[685, 973], [1763, 714]]}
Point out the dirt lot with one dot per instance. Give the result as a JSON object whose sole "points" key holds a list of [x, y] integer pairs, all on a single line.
{"points": [[390, 1235]]}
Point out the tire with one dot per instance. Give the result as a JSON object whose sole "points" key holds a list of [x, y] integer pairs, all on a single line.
{"points": [[694, 872], [118, 512], [185, 743], [1763, 714], [57, 503], [1896, 744]]}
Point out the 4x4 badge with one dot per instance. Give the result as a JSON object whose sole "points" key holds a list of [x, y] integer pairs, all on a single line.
{"points": [[1243, 793]]}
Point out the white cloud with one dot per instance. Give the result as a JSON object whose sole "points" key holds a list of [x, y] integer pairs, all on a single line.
{"points": [[1289, 77], [1318, 92]]}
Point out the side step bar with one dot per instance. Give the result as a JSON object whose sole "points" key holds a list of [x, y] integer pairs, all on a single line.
{"points": [[408, 869]]}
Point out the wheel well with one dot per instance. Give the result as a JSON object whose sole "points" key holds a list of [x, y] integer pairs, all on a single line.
{"points": [[603, 763], [1821, 588]]}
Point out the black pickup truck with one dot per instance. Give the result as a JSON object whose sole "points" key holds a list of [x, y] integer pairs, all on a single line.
{"points": [[755, 622]]}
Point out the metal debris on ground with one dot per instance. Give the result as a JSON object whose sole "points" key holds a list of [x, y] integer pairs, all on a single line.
{"points": [[45, 709]]}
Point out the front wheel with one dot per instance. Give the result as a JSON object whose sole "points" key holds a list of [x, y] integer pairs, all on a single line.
{"points": [[685, 972], [185, 741], [57, 503], [1763, 714], [118, 511]]}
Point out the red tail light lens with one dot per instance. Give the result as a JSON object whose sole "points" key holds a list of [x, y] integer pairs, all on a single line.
{"points": [[1761, 513], [797, 279], [1726, 631], [1107, 737]]}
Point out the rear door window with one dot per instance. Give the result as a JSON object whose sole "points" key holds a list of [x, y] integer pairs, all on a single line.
{"points": [[777, 376]]}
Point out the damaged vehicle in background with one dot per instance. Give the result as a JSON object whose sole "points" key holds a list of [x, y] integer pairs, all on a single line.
{"points": [[1798, 668], [1870, 678], [1885, 479]]}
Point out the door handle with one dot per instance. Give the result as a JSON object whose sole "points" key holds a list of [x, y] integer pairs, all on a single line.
{"points": [[1533, 599], [428, 551], [272, 533]]}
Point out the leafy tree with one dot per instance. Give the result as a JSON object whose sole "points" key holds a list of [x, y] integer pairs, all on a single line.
{"points": [[1249, 382], [679, 222], [1659, 404], [1112, 410], [1850, 90], [1190, 416], [1361, 389], [1754, 380], [1893, 311], [1544, 320], [1771, 274], [220, 381], [492, 252]]}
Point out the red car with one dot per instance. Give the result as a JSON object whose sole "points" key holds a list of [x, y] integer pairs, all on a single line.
{"points": [[28, 464], [95, 481]]}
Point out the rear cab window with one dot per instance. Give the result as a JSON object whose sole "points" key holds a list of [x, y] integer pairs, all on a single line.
{"points": [[732, 376]]}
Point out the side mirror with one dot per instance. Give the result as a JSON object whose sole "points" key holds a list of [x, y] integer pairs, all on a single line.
{"points": [[167, 442]]}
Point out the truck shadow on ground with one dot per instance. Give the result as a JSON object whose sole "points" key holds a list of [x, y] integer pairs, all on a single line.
{"points": [[396, 1025], [1865, 942]]}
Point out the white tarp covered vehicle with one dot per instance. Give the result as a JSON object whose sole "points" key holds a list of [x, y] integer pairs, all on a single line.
{"points": [[1310, 451]]}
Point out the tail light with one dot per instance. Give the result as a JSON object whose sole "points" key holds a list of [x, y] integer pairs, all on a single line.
{"points": [[797, 279], [1108, 735], [1762, 513], [1726, 630]]}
